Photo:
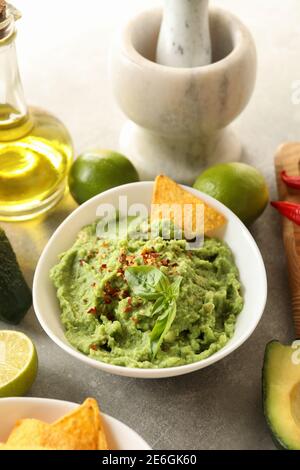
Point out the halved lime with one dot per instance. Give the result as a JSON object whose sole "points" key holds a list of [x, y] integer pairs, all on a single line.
{"points": [[18, 363]]}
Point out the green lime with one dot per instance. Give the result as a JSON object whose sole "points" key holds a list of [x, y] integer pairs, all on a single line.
{"points": [[96, 171], [240, 187], [18, 363]]}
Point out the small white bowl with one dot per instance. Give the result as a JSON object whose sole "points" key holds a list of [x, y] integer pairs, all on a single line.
{"points": [[119, 436], [246, 253]]}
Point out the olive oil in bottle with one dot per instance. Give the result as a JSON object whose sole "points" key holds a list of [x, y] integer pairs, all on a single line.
{"points": [[35, 147]]}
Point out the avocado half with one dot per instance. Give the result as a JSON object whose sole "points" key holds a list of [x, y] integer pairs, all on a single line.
{"points": [[281, 393]]}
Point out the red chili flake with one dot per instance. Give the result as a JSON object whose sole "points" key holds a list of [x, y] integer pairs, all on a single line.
{"points": [[125, 294], [165, 262], [130, 260], [110, 290], [120, 271], [150, 255], [129, 306], [122, 258], [93, 311], [94, 347], [81, 262], [103, 266], [110, 316], [107, 299]]}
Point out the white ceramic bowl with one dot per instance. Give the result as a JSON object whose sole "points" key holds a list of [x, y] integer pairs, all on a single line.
{"points": [[120, 436], [247, 257]]}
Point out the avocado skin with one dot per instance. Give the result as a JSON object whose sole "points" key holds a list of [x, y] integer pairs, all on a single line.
{"points": [[278, 442], [15, 295], [264, 393]]}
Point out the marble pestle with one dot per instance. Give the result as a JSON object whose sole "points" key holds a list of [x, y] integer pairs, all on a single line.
{"points": [[184, 39]]}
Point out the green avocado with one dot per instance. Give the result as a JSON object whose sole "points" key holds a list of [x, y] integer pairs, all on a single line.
{"points": [[15, 295], [281, 393]]}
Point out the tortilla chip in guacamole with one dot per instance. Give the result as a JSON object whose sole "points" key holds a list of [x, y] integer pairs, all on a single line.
{"points": [[167, 192]]}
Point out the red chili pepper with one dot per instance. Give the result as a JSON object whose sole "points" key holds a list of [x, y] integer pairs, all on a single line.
{"points": [[92, 311], [288, 209], [290, 181]]}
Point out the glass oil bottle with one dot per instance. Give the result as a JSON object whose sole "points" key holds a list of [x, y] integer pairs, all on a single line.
{"points": [[35, 147]]}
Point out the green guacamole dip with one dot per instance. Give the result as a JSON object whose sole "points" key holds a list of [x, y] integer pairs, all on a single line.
{"points": [[147, 303]]}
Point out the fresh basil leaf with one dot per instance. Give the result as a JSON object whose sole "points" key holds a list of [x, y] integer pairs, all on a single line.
{"points": [[160, 305], [165, 313], [147, 281], [161, 328], [146, 294], [150, 283], [175, 287], [143, 276], [163, 284], [158, 330]]}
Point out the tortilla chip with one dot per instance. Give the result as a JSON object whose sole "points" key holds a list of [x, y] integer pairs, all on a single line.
{"points": [[169, 193], [102, 440], [11, 447], [85, 426], [29, 433], [82, 429]]}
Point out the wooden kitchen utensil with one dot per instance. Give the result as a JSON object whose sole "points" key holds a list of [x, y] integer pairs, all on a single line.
{"points": [[287, 159]]}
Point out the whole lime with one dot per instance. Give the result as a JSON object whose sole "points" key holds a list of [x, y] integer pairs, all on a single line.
{"points": [[96, 171], [239, 186]]}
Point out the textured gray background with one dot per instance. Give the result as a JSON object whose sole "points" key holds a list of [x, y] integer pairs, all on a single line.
{"points": [[63, 55]]}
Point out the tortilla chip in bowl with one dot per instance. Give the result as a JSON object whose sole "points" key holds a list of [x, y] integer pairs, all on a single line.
{"points": [[45, 424]]}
